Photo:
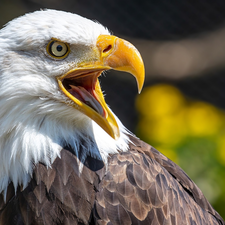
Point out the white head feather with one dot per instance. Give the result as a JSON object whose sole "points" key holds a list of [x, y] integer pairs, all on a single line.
{"points": [[35, 122]]}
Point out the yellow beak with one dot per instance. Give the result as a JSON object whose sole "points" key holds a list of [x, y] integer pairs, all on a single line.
{"points": [[81, 84]]}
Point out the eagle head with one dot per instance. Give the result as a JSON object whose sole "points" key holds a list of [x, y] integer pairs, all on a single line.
{"points": [[50, 95]]}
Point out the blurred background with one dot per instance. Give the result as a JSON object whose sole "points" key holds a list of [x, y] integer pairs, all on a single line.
{"points": [[181, 108]]}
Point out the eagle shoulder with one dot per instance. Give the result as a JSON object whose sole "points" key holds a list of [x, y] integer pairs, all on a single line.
{"points": [[142, 186], [56, 195]]}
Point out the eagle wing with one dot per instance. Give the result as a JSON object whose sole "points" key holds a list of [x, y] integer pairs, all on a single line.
{"points": [[140, 186]]}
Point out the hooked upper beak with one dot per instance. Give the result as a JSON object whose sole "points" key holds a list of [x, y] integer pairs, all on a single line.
{"points": [[81, 84]]}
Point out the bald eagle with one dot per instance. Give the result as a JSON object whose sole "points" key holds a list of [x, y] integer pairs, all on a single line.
{"points": [[65, 158]]}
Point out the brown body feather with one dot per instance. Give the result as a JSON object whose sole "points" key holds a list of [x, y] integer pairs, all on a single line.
{"points": [[140, 186]]}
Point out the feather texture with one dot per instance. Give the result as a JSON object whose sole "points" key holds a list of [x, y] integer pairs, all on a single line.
{"points": [[140, 186]]}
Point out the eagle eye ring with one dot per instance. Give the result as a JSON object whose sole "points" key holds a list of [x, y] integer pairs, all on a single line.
{"points": [[57, 49]]}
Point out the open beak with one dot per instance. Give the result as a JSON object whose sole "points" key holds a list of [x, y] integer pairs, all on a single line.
{"points": [[81, 84]]}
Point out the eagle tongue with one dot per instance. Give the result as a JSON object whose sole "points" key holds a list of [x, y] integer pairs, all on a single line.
{"points": [[84, 96]]}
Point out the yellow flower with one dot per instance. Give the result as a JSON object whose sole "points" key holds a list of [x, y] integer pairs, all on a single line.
{"points": [[221, 150], [159, 100], [167, 119], [168, 130], [203, 119], [162, 119]]}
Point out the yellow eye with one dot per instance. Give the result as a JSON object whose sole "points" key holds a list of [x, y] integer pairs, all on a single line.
{"points": [[57, 49]]}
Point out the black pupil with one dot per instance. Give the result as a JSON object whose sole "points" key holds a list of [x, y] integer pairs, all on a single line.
{"points": [[59, 48]]}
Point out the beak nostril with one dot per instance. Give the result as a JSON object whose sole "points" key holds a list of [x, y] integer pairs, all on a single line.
{"points": [[107, 48]]}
